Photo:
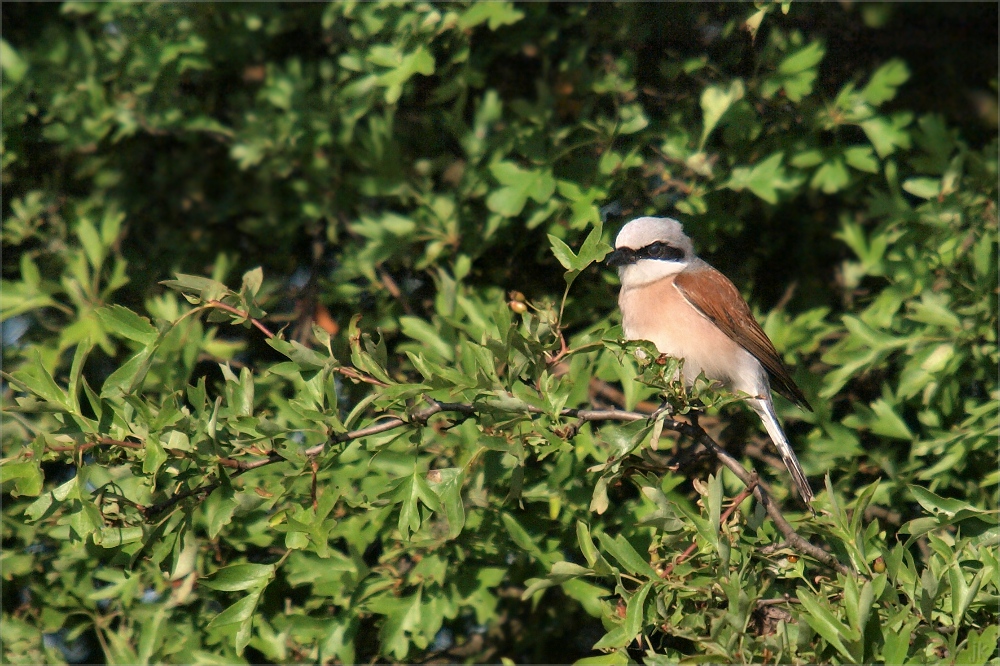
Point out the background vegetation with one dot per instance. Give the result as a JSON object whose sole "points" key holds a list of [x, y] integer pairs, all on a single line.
{"points": [[369, 446]]}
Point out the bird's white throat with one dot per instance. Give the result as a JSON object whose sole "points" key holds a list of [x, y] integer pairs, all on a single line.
{"points": [[645, 271]]}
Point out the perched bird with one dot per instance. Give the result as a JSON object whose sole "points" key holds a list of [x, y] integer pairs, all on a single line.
{"points": [[693, 312]]}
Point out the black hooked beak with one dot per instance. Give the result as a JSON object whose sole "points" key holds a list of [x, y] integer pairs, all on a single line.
{"points": [[623, 256]]}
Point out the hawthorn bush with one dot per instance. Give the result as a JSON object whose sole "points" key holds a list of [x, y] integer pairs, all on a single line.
{"points": [[309, 355]]}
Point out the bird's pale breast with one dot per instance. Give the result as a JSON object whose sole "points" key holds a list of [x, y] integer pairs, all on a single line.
{"points": [[658, 312]]}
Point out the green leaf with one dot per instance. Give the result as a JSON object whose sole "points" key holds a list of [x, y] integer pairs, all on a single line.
{"points": [[594, 249], [764, 179], [34, 378], [627, 556], [936, 504], [494, 14], [593, 556], [403, 617], [422, 331], [252, 280], [888, 134], [155, 456], [241, 615], [409, 492], [129, 376], [798, 71], [925, 188], [76, 373], [979, 648], [115, 537], [861, 158], [236, 577], [518, 186], [636, 613], [521, 537], [197, 289], [634, 620], [447, 484], [91, 241], [219, 507], [826, 623], [122, 322], [562, 252], [962, 593], [802, 60], [897, 643], [13, 65], [715, 101], [26, 475], [616, 658], [831, 177], [883, 84]]}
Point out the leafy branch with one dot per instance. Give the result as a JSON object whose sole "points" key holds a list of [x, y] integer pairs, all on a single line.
{"points": [[421, 416]]}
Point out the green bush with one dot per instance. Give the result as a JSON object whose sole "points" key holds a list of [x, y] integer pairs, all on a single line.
{"points": [[391, 439]]}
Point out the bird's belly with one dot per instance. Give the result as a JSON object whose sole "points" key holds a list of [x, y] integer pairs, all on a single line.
{"points": [[658, 313]]}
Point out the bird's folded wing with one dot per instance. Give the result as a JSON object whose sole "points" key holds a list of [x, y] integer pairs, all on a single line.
{"points": [[713, 295]]}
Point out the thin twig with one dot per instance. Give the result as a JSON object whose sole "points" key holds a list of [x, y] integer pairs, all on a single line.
{"points": [[102, 441], [359, 376], [347, 372], [394, 290], [785, 599], [240, 313]]}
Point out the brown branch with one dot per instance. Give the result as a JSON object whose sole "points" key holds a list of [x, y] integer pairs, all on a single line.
{"points": [[154, 510], [359, 376], [394, 290], [247, 465], [80, 448], [558, 356], [240, 313]]}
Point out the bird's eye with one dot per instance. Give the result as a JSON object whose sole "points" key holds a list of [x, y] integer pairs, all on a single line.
{"points": [[660, 250]]}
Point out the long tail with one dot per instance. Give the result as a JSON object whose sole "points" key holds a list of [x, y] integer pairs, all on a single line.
{"points": [[765, 409]]}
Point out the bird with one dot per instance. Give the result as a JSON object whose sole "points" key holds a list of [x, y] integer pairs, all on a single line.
{"points": [[691, 311]]}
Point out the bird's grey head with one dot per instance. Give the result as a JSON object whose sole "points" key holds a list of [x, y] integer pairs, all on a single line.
{"points": [[648, 249]]}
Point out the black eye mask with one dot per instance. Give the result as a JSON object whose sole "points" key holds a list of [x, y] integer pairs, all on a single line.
{"points": [[624, 256]]}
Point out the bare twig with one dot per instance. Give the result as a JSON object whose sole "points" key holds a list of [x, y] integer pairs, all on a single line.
{"points": [[394, 290], [359, 376], [240, 313], [101, 441]]}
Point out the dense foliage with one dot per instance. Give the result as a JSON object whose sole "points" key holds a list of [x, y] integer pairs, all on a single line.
{"points": [[389, 439]]}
